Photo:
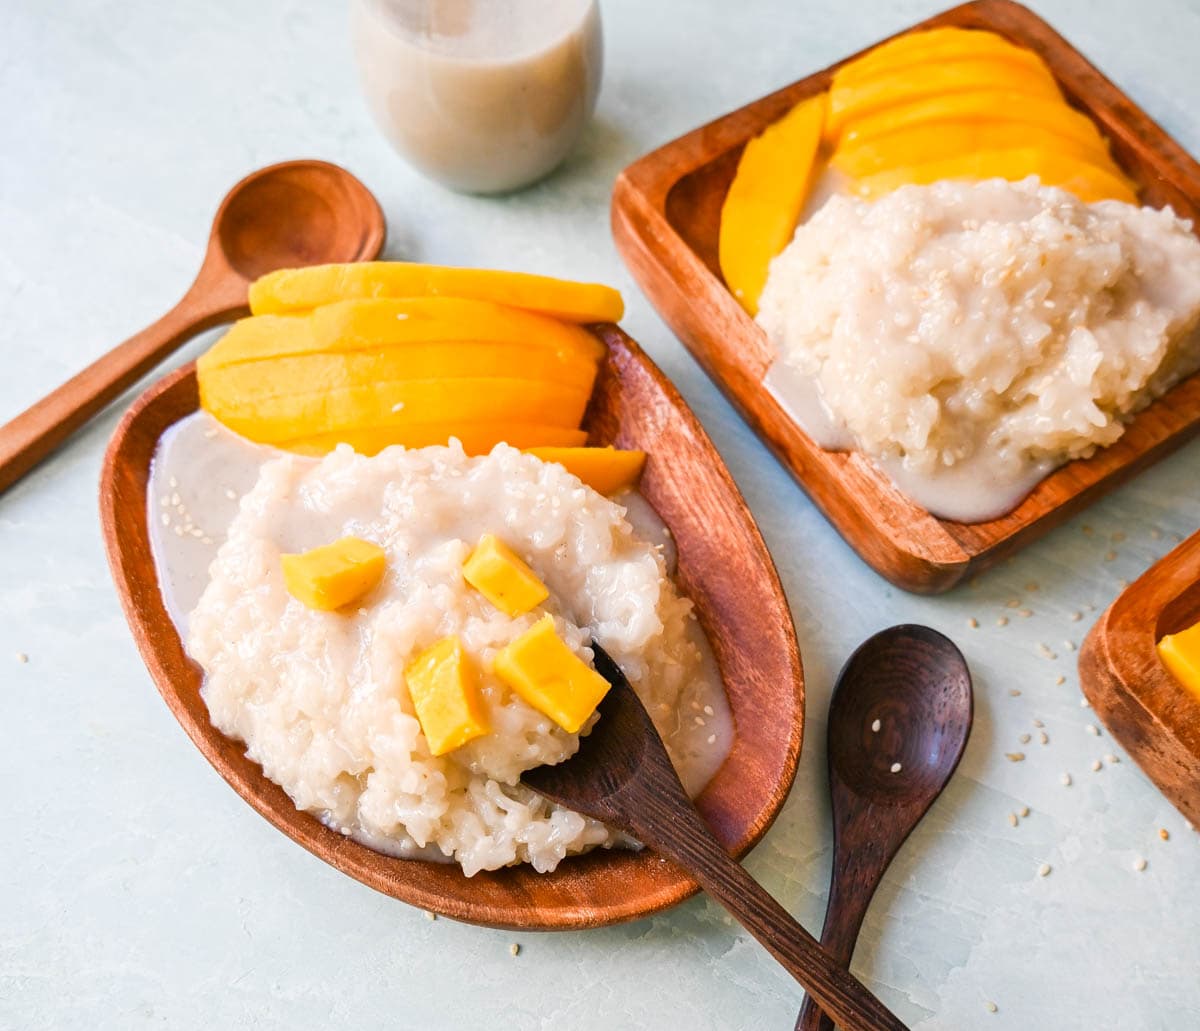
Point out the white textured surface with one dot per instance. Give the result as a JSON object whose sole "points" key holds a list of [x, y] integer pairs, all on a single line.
{"points": [[138, 891]]}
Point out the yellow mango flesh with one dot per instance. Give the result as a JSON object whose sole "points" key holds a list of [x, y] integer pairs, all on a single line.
{"points": [[334, 575], [605, 469], [940, 141], [914, 49], [547, 675], [1086, 181], [766, 197], [852, 102], [444, 689], [306, 373], [271, 420], [985, 106], [293, 290], [501, 576], [476, 438], [1180, 653], [374, 325]]}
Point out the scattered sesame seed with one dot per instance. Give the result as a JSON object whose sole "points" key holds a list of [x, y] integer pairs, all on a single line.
{"points": [[1084, 703], [990, 1006], [1024, 739], [231, 494], [1139, 864], [875, 726], [1014, 757], [430, 916], [1156, 533], [197, 532], [1023, 811], [209, 434], [1013, 603], [1092, 729], [1012, 819], [1112, 760], [1164, 833], [1002, 621], [896, 767], [1096, 765], [22, 658], [1044, 738], [398, 406], [708, 710], [1044, 870], [514, 949], [1065, 780], [1038, 723], [973, 623], [206, 540], [1025, 613], [712, 739], [1118, 536], [1044, 650], [1109, 556], [699, 721], [1076, 617], [172, 483], [175, 500], [166, 519], [1031, 586], [1122, 584], [178, 531], [1088, 530], [1013, 692], [1060, 679]]}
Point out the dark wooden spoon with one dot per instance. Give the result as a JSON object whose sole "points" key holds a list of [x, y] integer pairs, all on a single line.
{"points": [[913, 684], [286, 215], [623, 776]]}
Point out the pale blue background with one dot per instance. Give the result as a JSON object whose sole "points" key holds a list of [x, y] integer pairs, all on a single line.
{"points": [[137, 891]]}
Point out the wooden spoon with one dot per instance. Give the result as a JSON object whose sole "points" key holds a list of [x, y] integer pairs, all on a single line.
{"points": [[913, 684], [623, 776], [294, 213]]}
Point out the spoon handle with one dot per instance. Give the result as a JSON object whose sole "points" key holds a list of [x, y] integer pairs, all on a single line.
{"points": [[681, 835], [32, 435]]}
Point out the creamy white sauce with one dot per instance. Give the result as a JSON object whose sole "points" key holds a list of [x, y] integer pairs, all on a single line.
{"points": [[200, 472]]}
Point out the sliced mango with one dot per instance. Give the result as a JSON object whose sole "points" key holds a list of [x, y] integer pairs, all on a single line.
{"points": [[1052, 115], [502, 576], [930, 45], [606, 470], [292, 290], [1180, 653], [766, 197], [547, 675], [476, 438], [444, 688], [447, 359], [1088, 182], [944, 140], [334, 575], [852, 102], [373, 325], [270, 420]]}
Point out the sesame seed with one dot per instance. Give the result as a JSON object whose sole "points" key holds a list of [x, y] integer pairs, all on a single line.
{"points": [[1139, 864], [712, 739], [1014, 757], [1031, 586], [1044, 650], [1164, 833], [175, 500], [1092, 729], [178, 531], [875, 726], [1013, 692], [1044, 870], [1023, 811], [1038, 723], [514, 949], [699, 721], [1025, 613], [1076, 617], [708, 710], [1118, 537], [1044, 738], [1088, 530], [1012, 819], [1156, 533], [1002, 621], [1109, 556], [1084, 703], [1096, 765], [1060, 679], [166, 519], [22, 658], [1069, 645], [972, 622], [430, 916], [1024, 739], [896, 767], [1013, 603], [1112, 760], [990, 1006], [1065, 780], [172, 483], [231, 494], [209, 434]]}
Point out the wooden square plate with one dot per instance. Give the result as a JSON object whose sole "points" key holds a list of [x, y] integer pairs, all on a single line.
{"points": [[723, 566], [1156, 719], [665, 216]]}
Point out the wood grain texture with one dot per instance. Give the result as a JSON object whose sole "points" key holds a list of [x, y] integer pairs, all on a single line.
{"points": [[1154, 717], [285, 215], [723, 566], [623, 776], [665, 218], [915, 682]]}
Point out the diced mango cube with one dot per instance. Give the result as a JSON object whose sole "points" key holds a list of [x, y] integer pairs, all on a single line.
{"points": [[1180, 653], [444, 688], [605, 469], [334, 575], [499, 574], [546, 674]]}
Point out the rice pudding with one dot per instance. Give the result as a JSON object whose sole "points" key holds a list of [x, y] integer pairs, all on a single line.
{"points": [[971, 337], [320, 699]]}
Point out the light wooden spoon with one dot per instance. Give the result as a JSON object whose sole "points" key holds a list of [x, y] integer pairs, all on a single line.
{"points": [[623, 776], [285, 215]]}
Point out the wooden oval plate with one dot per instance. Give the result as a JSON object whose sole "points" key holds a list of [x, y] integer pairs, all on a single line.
{"points": [[1156, 719], [724, 568], [666, 212]]}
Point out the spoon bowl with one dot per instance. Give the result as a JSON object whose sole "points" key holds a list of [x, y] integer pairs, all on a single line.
{"points": [[290, 214], [898, 725]]}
